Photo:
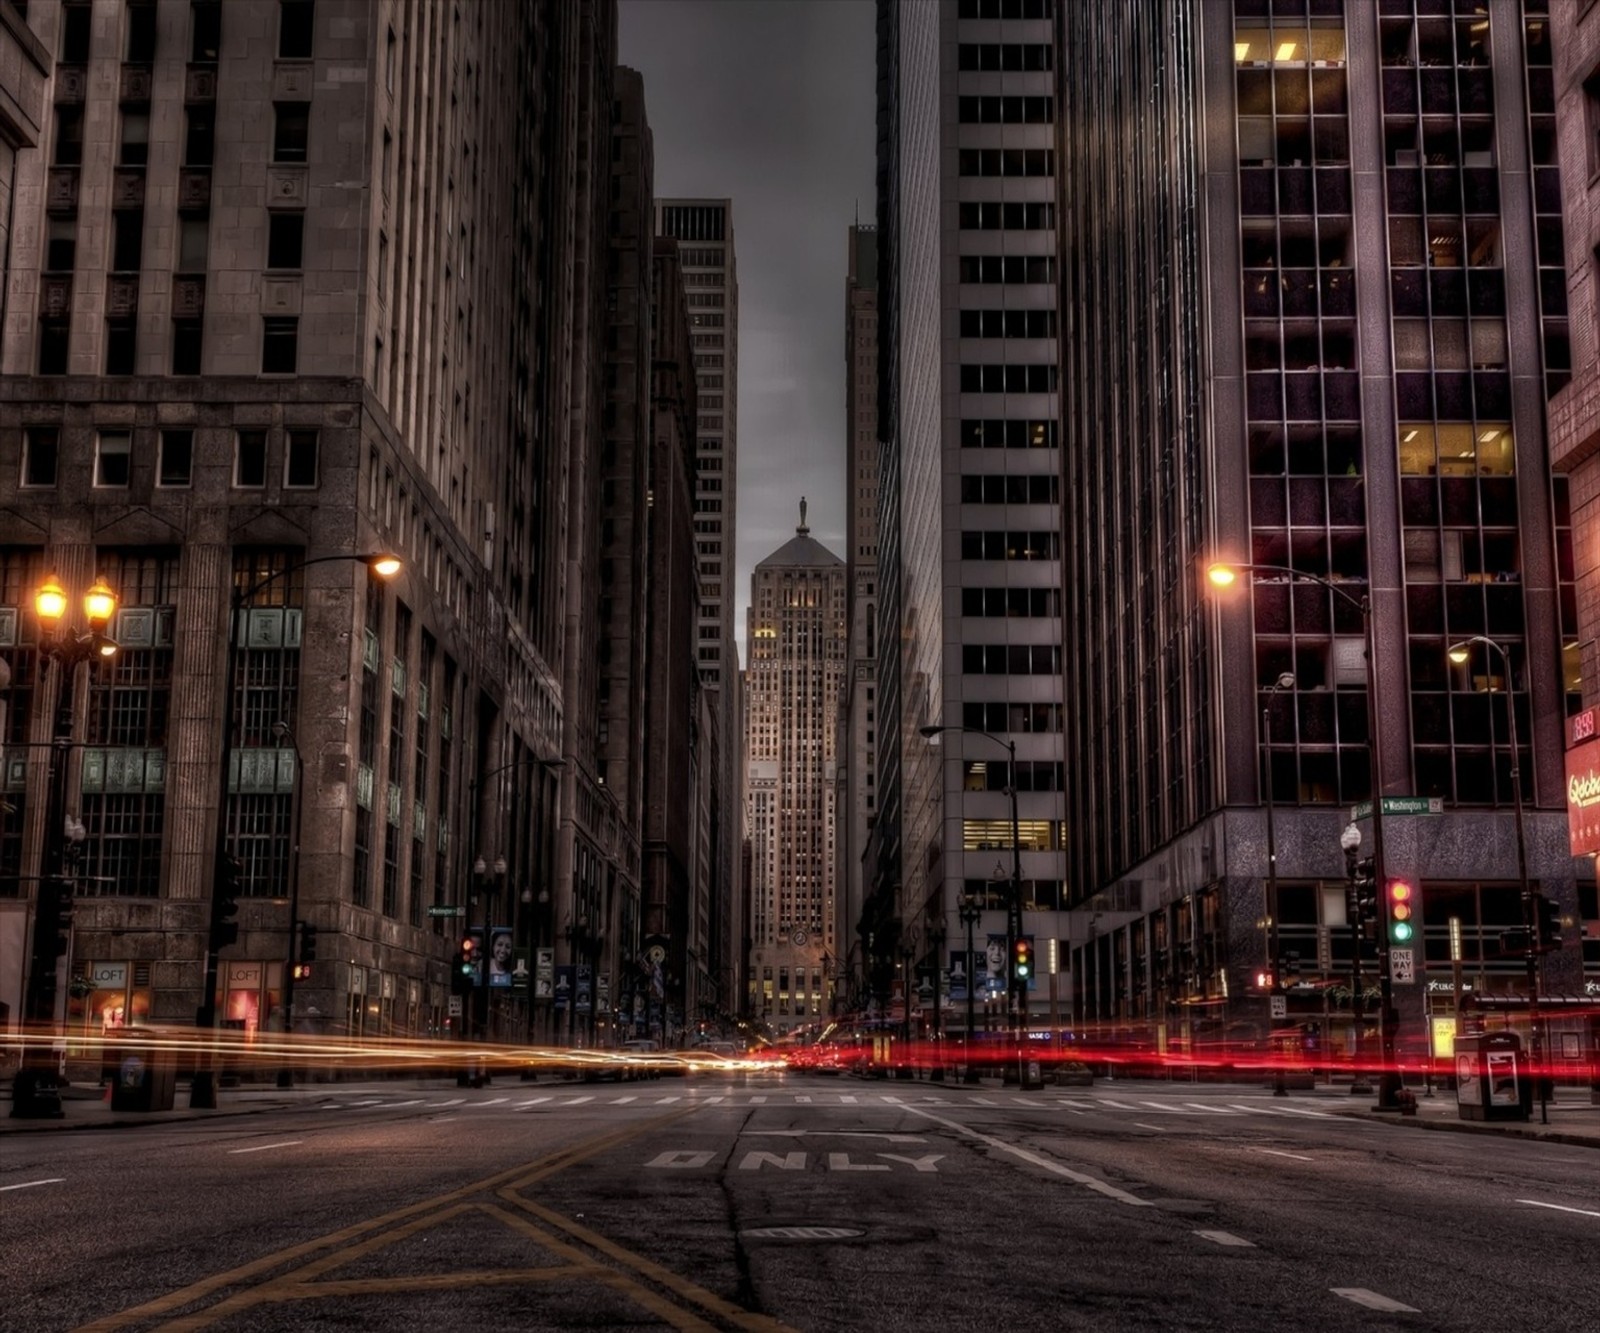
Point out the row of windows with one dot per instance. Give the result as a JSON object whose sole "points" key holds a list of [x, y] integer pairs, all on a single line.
{"points": [[1007, 268], [1008, 323], [280, 345], [1009, 379], [991, 433], [1010, 545], [1009, 57], [993, 216], [1011, 602], [1031, 775], [1008, 110], [1000, 489], [1006, 9], [1011, 659], [296, 31], [1033, 719], [290, 135], [1006, 162], [285, 242], [114, 454]]}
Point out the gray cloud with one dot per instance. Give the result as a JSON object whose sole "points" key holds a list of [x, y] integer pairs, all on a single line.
{"points": [[770, 102]]}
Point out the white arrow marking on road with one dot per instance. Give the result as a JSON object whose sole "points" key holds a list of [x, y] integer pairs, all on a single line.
{"points": [[29, 1184], [1560, 1208], [264, 1147], [1373, 1301], [1278, 1152], [533, 1101], [1033, 1159], [680, 1160], [1226, 1238]]}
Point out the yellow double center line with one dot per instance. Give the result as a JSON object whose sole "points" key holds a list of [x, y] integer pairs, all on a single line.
{"points": [[351, 1243]]}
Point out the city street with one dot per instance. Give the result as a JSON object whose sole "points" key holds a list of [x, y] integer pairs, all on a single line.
{"points": [[770, 1200]]}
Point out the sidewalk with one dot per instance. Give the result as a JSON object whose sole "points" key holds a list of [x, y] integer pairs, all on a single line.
{"points": [[88, 1105]]}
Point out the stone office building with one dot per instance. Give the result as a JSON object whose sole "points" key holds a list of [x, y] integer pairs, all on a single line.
{"points": [[287, 284]]}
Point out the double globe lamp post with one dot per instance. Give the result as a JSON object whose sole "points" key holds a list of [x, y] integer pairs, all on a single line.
{"points": [[35, 1091]]}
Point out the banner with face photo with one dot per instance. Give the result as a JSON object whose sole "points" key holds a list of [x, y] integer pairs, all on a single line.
{"points": [[502, 961]]}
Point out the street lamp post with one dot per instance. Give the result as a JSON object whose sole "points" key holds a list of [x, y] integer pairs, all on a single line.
{"points": [[203, 1087], [936, 939], [970, 911], [1280, 1086], [1350, 843], [1017, 987], [34, 1092], [1224, 575], [285, 732], [1460, 653]]}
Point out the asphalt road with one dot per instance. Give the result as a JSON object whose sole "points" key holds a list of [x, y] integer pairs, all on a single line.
{"points": [[763, 1202]]}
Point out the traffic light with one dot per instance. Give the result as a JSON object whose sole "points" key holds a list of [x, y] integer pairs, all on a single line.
{"points": [[1365, 893], [1547, 923], [308, 942], [468, 963], [62, 918], [225, 902], [1402, 899], [302, 971], [1022, 960], [1266, 980]]}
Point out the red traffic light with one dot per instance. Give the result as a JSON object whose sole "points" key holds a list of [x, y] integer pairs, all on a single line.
{"points": [[467, 946]]}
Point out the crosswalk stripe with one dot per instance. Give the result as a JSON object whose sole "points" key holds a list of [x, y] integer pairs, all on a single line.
{"points": [[982, 1101], [1212, 1110], [493, 1101], [667, 1101], [622, 1101], [533, 1101], [846, 1100], [577, 1101], [758, 1101]]}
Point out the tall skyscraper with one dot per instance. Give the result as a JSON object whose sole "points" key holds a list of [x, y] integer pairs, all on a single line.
{"points": [[798, 643], [242, 347], [859, 715], [969, 557], [1312, 317], [703, 229]]}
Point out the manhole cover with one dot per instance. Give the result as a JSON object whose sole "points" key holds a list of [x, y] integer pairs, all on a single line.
{"points": [[802, 1233]]}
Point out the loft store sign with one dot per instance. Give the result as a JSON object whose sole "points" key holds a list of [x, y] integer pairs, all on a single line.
{"points": [[1583, 784]]}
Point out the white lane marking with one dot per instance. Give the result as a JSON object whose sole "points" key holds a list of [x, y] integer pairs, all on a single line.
{"points": [[1170, 1109], [454, 1101], [754, 1101], [1121, 1106], [371, 1101], [667, 1101], [265, 1147], [1226, 1238], [846, 1100], [1292, 1110], [1211, 1110], [982, 1101], [1033, 1159], [710, 1101], [622, 1101], [493, 1101], [416, 1102], [1278, 1152], [533, 1101], [884, 1097], [802, 1101], [1560, 1208], [577, 1101], [442, 1119], [29, 1184], [1159, 1129], [1082, 1106], [1373, 1301]]}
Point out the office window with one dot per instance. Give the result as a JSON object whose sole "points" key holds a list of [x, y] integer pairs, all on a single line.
{"points": [[75, 34], [194, 242], [285, 239], [200, 136], [135, 150], [112, 458], [41, 451], [186, 343], [69, 136], [280, 345], [175, 464], [141, 33], [291, 130], [250, 459], [127, 244], [121, 341], [206, 35], [295, 23], [300, 464], [53, 337], [61, 245]]}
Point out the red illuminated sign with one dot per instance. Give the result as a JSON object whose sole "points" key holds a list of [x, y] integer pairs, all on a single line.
{"points": [[1583, 797]]}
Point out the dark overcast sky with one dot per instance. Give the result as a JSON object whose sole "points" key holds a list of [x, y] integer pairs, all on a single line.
{"points": [[770, 102]]}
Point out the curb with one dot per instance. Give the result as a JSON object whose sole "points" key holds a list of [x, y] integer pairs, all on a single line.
{"points": [[1509, 1130]]}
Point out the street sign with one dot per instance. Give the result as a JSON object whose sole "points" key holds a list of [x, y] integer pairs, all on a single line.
{"points": [[455, 1006], [447, 911], [1402, 966], [1280, 1006], [1400, 805]]}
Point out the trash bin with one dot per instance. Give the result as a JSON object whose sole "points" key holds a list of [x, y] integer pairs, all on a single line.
{"points": [[1492, 1080], [144, 1080]]}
